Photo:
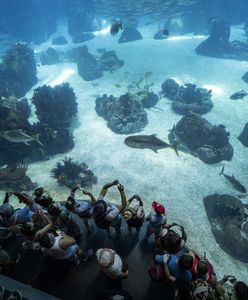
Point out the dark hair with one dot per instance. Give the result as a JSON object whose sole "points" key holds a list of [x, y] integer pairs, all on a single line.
{"points": [[27, 229], [185, 261], [241, 290], [202, 267], [45, 241], [53, 209], [39, 191]]}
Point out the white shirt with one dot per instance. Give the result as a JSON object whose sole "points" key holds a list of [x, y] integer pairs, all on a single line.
{"points": [[114, 271]]}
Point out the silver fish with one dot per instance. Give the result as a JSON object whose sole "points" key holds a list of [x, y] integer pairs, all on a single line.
{"points": [[235, 183], [148, 142], [238, 95], [18, 136]]}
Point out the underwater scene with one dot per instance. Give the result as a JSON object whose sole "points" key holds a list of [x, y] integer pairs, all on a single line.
{"points": [[147, 95]]}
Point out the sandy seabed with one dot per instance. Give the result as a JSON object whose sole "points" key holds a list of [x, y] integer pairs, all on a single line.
{"points": [[179, 183]]}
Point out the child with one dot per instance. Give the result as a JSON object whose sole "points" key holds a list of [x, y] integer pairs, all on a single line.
{"points": [[156, 220]]}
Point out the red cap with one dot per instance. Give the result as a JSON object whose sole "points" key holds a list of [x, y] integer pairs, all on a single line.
{"points": [[159, 208]]}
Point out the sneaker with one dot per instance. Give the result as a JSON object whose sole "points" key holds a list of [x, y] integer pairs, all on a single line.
{"points": [[16, 261], [1, 292], [88, 254], [77, 261], [16, 295]]}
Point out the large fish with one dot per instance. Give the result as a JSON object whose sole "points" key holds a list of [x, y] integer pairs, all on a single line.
{"points": [[238, 95], [235, 183], [148, 142], [18, 136]]}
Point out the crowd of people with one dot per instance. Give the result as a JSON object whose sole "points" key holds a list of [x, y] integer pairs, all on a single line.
{"points": [[50, 228]]}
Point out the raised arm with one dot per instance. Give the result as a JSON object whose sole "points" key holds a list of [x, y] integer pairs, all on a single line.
{"points": [[123, 197], [24, 199], [40, 233], [92, 198], [107, 186]]}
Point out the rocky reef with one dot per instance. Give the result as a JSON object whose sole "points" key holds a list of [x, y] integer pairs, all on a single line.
{"points": [[55, 106], [22, 142], [14, 178], [243, 137], [187, 97], [17, 71], [49, 57], [218, 44], [210, 143], [130, 34], [124, 114], [70, 173], [91, 67], [228, 218]]}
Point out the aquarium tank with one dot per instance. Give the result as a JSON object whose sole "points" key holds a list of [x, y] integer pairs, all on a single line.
{"points": [[123, 149]]}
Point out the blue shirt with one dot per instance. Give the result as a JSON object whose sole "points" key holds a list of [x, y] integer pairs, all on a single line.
{"points": [[177, 271]]}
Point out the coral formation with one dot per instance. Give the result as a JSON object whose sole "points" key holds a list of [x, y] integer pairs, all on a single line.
{"points": [[55, 106], [208, 142], [187, 97], [71, 173], [18, 70], [124, 114]]}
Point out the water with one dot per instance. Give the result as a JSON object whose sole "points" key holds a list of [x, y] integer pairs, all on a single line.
{"points": [[179, 183]]}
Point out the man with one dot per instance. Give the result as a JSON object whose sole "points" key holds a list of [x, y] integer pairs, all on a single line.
{"points": [[63, 220], [106, 215], [63, 247], [111, 263]]}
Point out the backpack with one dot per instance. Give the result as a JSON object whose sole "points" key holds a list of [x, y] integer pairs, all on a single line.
{"points": [[68, 224], [200, 290], [156, 271], [100, 220], [171, 242]]}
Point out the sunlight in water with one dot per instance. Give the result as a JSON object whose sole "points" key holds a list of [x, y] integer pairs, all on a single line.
{"points": [[67, 73], [103, 31], [215, 89], [185, 37]]}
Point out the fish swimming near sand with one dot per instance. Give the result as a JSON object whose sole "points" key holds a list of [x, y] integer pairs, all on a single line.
{"points": [[238, 95], [149, 142], [164, 31], [18, 136], [116, 26], [235, 183]]}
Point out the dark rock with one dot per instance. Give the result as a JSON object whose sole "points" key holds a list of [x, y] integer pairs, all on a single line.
{"points": [[218, 44], [159, 36], [55, 106], [49, 57], [83, 37], [110, 62], [60, 40], [71, 173], [88, 67], [208, 142], [243, 137], [187, 97], [18, 70], [245, 77], [125, 115], [130, 34], [226, 215]]}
